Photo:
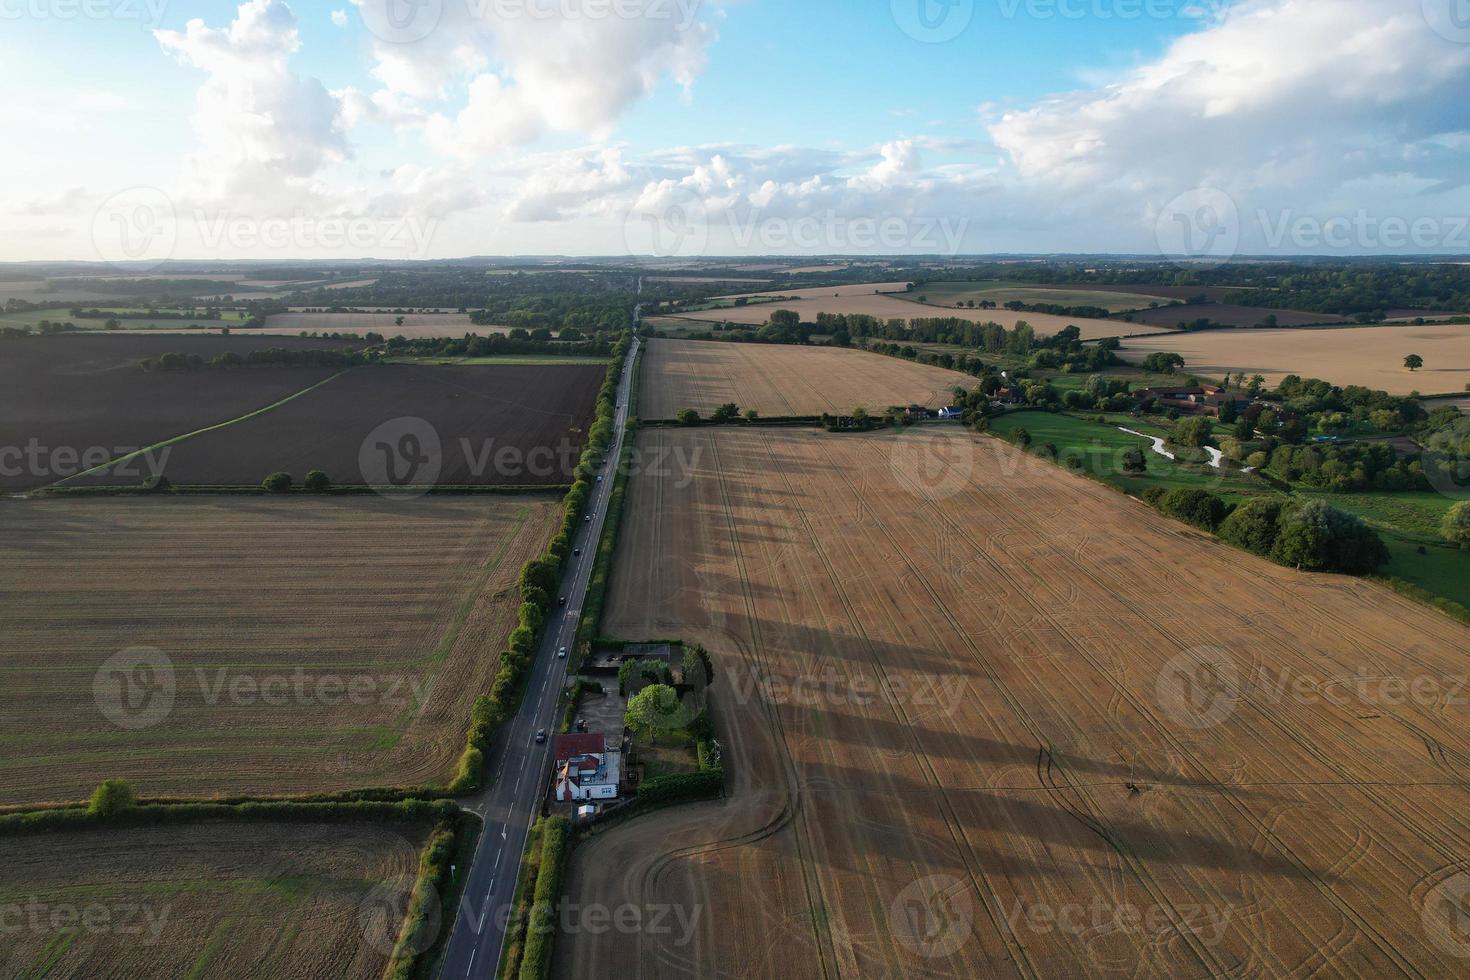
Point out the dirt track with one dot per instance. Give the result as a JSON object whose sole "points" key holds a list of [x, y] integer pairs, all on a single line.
{"points": [[990, 719], [782, 380], [208, 900]]}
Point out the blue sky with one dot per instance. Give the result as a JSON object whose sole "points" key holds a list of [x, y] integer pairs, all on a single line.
{"points": [[1026, 125]]}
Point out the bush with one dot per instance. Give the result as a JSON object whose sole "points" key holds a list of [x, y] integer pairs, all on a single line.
{"points": [[1199, 508], [1135, 462], [318, 482], [1194, 433], [1456, 528], [688, 417], [1254, 526], [277, 483], [1154, 496], [679, 787], [1318, 538], [541, 930], [112, 797]]}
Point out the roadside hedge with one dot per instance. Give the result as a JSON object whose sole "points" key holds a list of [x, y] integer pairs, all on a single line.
{"points": [[539, 579], [541, 929]]}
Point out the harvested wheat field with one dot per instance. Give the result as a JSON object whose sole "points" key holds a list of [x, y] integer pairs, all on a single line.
{"points": [[785, 380], [204, 646], [1369, 356], [988, 719], [416, 326], [206, 900], [886, 307]]}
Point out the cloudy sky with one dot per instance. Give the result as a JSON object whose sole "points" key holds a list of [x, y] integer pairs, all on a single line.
{"points": [[441, 128]]}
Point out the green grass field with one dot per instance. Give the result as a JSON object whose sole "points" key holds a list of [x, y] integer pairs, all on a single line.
{"points": [[951, 293], [131, 319], [1101, 448]]}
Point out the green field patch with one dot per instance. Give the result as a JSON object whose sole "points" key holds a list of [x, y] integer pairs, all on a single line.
{"points": [[999, 292]]}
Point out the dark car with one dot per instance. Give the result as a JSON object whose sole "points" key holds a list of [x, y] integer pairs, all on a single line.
{"points": [[562, 601]]}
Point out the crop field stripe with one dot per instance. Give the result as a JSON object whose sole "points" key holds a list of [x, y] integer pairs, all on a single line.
{"points": [[1184, 753], [973, 865], [129, 457], [792, 775]]}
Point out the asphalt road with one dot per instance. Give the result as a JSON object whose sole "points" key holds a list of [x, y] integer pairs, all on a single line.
{"points": [[522, 769]]}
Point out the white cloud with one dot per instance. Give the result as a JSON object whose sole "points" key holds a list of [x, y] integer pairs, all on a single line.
{"points": [[524, 76], [264, 129], [1276, 92], [339, 18]]}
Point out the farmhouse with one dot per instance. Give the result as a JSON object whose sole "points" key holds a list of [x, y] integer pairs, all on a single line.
{"points": [[586, 769], [1200, 399]]}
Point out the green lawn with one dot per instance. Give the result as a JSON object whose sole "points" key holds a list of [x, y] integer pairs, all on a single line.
{"points": [[1101, 448], [135, 321]]}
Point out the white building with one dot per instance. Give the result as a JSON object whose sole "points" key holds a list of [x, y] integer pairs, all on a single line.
{"points": [[586, 769]]}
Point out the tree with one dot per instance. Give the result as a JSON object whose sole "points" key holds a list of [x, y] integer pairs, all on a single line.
{"points": [[656, 706], [727, 412], [111, 797], [1456, 526], [1254, 525], [1163, 362], [1134, 462], [751, 415], [398, 322], [1023, 438], [688, 417], [1256, 386], [318, 482], [631, 670], [1318, 538], [277, 483], [1194, 432], [1413, 362], [1199, 508]]}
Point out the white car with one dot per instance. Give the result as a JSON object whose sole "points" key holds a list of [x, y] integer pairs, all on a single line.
{"points": [[562, 653]]}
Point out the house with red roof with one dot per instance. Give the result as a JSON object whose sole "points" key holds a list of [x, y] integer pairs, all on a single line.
{"points": [[585, 768]]}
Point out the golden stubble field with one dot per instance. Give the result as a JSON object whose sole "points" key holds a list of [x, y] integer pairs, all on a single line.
{"points": [[207, 900], [237, 645], [416, 326], [778, 380], [1369, 356], [849, 299], [988, 719]]}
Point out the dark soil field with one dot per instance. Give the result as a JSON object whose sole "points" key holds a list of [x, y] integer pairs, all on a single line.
{"points": [[1231, 316], [405, 426], [73, 401]]}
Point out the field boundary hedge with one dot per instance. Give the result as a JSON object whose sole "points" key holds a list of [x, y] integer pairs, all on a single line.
{"points": [[255, 490]]}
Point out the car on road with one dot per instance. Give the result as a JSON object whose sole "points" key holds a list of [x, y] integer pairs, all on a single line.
{"points": [[562, 653], [562, 601], [541, 737], [576, 552]]}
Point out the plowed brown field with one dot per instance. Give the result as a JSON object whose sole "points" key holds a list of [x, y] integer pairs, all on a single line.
{"points": [[988, 719], [783, 380], [212, 900], [203, 646]]}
